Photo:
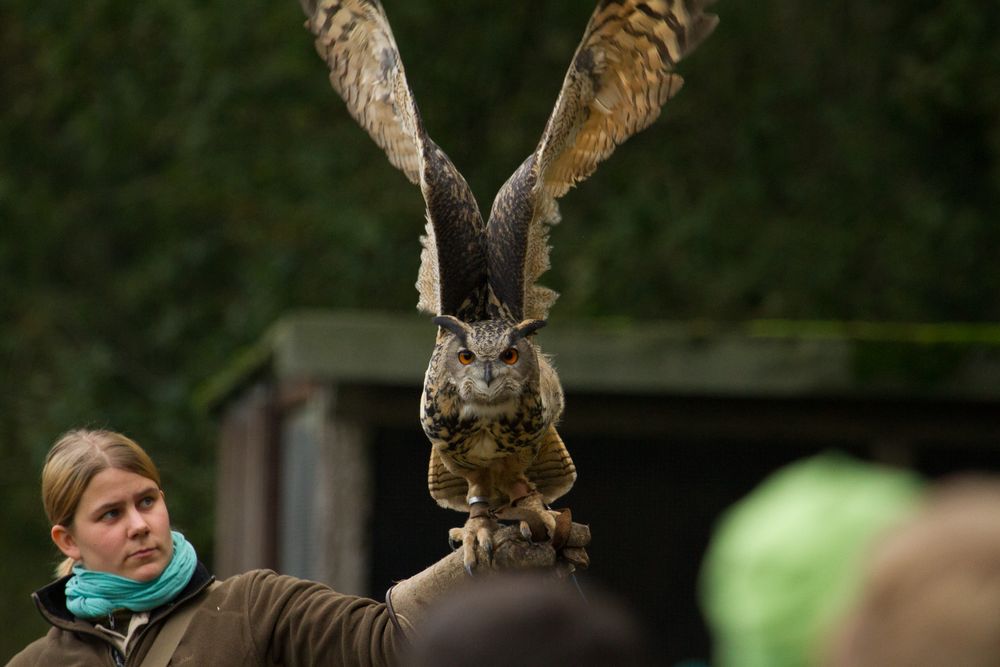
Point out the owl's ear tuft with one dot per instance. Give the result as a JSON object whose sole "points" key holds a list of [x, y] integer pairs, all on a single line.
{"points": [[454, 325], [525, 329]]}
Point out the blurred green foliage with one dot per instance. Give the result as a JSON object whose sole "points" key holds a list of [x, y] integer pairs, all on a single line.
{"points": [[174, 175]]}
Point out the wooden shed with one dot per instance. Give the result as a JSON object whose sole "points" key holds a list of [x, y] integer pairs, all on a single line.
{"points": [[322, 463]]}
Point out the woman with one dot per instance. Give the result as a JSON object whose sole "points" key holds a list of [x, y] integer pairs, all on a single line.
{"points": [[132, 592]]}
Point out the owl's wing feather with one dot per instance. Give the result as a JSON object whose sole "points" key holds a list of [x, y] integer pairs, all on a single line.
{"points": [[620, 77], [447, 489], [355, 40], [553, 471]]}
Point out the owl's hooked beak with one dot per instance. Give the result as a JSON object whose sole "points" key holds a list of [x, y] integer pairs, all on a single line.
{"points": [[487, 373]]}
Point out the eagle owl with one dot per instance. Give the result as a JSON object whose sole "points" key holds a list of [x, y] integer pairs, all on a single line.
{"points": [[491, 399]]}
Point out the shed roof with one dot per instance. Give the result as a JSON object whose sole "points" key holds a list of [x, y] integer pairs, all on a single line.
{"points": [[759, 358]]}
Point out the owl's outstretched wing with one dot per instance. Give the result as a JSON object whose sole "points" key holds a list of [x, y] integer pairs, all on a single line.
{"points": [[621, 75], [354, 38]]}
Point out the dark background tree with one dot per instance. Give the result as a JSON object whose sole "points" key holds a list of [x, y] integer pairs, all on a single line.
{"points": [[174, 175]]}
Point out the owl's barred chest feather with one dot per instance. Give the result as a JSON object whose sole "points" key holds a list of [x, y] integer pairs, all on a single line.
{"points": [[474, 435]]}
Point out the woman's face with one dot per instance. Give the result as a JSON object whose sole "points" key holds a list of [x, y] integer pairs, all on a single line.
{"points": [[121, 527]]}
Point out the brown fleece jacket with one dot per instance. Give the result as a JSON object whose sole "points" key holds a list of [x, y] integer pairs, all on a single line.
{"points": [[256, 618]]}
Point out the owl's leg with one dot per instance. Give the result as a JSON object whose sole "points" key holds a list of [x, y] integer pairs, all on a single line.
{"points": [[480, 525], [478, 530]]}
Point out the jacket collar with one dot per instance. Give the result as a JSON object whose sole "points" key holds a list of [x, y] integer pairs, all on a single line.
{"points": [[51, 601]]}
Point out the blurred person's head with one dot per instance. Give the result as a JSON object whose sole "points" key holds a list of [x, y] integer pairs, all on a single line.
{"points": [[931, 593], [102, 496], [529, 621], [785, 560]]}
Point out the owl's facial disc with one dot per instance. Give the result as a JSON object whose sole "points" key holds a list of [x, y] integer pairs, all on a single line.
{"points": [[488, 401], [491, 381], [486, 384], [490, 361]]}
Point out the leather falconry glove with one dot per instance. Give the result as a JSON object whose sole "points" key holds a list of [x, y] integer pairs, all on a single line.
{"points": [[410, 600]]}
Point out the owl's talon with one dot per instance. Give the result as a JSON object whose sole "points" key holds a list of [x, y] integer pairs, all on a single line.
{"points": [[488, 548], [526, 531], [484, 536], [478, 531], [538, 522]]}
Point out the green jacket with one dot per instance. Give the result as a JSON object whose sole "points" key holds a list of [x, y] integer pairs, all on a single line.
{"points": [[256, 618]]}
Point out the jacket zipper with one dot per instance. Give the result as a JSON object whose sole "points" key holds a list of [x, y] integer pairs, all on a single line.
{"points": [[116, 655]]}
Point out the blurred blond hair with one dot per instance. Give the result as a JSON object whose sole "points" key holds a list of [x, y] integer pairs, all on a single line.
{"points": [[932, 591]]}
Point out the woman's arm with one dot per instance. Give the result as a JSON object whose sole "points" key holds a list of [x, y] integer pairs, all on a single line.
{"points": [[298, 622]]}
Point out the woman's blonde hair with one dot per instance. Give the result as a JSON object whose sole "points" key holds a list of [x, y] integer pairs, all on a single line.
{"points": [[74, 460]]}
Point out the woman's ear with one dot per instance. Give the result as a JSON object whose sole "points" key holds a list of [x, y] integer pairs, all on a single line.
{"points": [[65, 541]]}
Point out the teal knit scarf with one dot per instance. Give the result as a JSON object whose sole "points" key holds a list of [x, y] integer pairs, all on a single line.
{"points": [[91, 594]]}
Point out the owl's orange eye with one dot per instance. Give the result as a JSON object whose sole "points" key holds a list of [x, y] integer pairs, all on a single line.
{"points": [[509, 356], [466, 357]]}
